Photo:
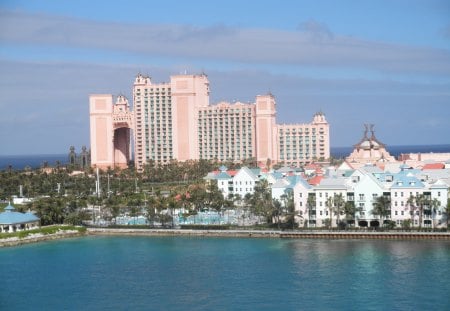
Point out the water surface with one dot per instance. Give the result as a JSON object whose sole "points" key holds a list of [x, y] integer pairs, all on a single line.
{"points": [[182, 273]]}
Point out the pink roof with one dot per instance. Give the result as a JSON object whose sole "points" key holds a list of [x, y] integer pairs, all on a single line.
{"points": [[433, 166], [315, 180]]}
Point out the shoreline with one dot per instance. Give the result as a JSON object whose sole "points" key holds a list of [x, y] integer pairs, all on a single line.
{"points": [[272, 234], [11, 242]]}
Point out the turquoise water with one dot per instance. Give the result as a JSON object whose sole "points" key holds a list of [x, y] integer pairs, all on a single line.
{"points": [[181, 273]]}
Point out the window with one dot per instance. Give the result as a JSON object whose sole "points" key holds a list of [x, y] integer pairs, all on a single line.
{"points": [[396, 213], [439, 193]]}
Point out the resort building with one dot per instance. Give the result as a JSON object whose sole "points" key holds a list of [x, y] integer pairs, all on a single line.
{"points": [[414, 197], [175, 121], [369, 150], [12, 221]]}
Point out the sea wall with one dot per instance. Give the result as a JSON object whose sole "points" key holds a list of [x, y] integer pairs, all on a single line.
{"points": [[274, 234], [228, 233], [15, 241]]}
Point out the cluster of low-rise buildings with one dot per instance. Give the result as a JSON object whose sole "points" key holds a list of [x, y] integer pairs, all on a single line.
{"points": [[416, 195]]}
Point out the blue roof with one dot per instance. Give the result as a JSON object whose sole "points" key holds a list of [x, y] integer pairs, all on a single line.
{"points": [[277, 175], [406, 181], [223, 175], [256, 171], [298, 179], [10, 217]]}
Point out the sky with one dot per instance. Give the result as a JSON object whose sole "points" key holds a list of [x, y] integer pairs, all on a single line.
{"points": [[383, 62]]}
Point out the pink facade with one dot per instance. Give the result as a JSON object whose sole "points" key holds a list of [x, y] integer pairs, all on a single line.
{"points": [[227, 131], [174, 120], [110, 131], [299, 143]]}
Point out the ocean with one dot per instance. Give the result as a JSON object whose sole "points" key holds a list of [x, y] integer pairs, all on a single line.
{"points": [[19, 162], [193, 273]]}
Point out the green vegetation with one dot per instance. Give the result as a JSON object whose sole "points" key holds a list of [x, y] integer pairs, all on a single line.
{"points": [[63, 197], [43, 231]]}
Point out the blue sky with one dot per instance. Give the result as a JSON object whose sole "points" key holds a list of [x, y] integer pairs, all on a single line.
{"points": [[381, 62]]}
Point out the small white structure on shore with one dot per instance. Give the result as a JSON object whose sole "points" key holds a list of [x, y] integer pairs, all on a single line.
{"points": [[12, 221]]}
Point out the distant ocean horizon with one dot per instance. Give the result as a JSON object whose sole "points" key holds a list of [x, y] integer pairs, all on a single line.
{"points": [[19, 162]]}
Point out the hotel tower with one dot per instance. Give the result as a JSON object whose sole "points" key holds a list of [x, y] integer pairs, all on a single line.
{"points": [[174, 121]]}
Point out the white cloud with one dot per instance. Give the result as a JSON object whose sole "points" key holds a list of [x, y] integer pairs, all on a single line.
{"points": [[312, 45]]}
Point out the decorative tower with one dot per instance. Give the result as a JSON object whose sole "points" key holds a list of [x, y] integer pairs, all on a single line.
{"points": [[266, 129], [110, 131]]}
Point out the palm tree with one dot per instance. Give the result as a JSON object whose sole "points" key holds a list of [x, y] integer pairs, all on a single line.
{"points": [[435, 203], [447, 212], [339, 203], [277, 211], [382, 207], [289, 206], [311, 205], [412, 207], [329, 204], [419, 201], [261, 201], [349, 211]]}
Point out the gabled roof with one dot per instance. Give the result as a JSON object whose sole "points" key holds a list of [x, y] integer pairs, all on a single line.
{"points": [[337, 183], [440, 184], [249, 172], [295, 179], [371, 169], [345, 166], [281, 183]]}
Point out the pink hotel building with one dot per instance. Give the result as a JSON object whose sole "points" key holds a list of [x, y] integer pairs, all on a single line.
{"points": [[174, 120]]}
